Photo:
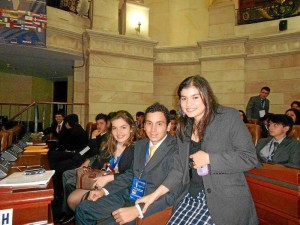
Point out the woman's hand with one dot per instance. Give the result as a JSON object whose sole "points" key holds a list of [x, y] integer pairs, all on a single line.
{"points": [[85, 164], [200, 159], [103, 180], [95, 195]]}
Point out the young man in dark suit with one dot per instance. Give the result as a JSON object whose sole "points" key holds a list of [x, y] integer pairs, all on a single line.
{"points": [[258, 106], [57, 127], [114, 203], [279, 148]]}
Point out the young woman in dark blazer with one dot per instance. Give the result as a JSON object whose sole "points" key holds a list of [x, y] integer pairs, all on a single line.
{"points": [[118, 151], [215, 149]]}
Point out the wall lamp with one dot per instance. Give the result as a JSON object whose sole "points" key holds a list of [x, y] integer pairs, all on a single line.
{"points": [[138, 27]]}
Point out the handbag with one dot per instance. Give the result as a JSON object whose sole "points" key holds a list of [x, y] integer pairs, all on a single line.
{"points": [[86, 175]]}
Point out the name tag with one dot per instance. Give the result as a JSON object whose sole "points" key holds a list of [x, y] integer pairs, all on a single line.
{"points": [[262, 113], [138, 188]]}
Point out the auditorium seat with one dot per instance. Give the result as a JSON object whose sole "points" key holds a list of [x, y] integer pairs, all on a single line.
{"points": [[4, 139], [255, 131], [253, 121], [90, 127], [159, 218], [295, 133]]}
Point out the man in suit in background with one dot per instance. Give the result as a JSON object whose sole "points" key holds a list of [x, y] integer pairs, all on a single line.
{"points": [[150, 169], [258, 106], [279, 148], [57, 127]]}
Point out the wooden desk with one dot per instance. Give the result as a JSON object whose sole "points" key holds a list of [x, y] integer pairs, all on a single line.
{"points": [[32, 204], [276, 193]]}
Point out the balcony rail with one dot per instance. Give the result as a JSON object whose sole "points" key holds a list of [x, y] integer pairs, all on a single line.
{"points": [[36, 116], [272, 11]]}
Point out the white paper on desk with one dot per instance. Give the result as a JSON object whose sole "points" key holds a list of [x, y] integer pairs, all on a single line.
{"points": [[18, 179]]}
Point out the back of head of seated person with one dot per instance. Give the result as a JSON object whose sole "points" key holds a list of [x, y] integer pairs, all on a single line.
{"points": [[278, 148]]}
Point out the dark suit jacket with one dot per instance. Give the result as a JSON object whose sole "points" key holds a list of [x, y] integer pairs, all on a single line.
{"points": [[254, 106], [155, 172], [74, 139], [231, 152], [52, 130], [287, 153]]}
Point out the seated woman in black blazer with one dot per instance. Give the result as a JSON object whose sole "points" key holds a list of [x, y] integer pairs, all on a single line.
{"points": [[117, 150]]}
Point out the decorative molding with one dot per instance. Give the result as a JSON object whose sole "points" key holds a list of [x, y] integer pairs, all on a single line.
{"points": [[225, 48], [120, 45], [177, 55], [264, 46]]}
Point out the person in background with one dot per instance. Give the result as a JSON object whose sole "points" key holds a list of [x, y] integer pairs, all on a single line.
{"points": [[173, 112], [173, 125], [140, 124], [294, 114], [68, 154], [139, 116], [153, 160], [215, 149], [117, 150], [243, 116], [258, 106], [57, 127], [279, 148], [98, 136], [295, 105]]}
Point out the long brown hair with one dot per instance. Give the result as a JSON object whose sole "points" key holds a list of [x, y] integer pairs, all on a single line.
{"points": [[110, 146], [209, 100]]}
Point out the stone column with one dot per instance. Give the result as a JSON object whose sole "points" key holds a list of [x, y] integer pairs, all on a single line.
{"points": [[221, 18], [105, 16]]}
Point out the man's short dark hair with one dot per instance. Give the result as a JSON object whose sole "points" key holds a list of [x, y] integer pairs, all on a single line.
{"points": [[72, 119], [140, 113], [59, 112], [282, 119], [157, 107], [101, 116], [266, 88]]}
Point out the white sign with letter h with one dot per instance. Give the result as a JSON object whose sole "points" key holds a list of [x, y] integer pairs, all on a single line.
{"points": [[6, 217]]}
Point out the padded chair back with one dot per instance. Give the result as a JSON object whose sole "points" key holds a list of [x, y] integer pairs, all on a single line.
{"points": [[295, 132], [160, 217], [4, 139], [255, 131], [254, 121], [90, 127]]}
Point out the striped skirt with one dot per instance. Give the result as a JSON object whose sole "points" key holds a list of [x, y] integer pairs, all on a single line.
{"points": [[192, 211]]}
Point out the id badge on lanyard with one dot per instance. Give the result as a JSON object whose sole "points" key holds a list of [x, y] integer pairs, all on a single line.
{"points": [[138, 188]]}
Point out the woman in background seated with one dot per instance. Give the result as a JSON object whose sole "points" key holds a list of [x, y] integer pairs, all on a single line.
{"points": [[118, 151], [294, 114], [173, 125], [243, 116], [295, 105]]}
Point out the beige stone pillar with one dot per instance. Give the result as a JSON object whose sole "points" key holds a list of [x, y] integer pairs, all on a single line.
{"points": [[120, 73], [105, 15], [79, 86], [221, 19]]}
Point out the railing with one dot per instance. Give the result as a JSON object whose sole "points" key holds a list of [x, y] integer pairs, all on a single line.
{"points": [[38, 115], [272, 11], [83, 8]]}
